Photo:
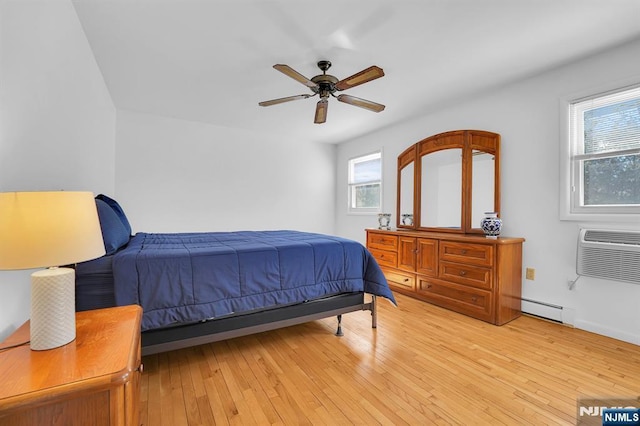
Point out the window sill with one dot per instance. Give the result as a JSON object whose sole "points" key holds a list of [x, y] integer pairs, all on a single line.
{"points": [[363, 213], [594, 217]]}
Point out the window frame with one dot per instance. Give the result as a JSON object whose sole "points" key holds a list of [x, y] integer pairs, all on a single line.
{"points": [[351, 186], [572, 158]]}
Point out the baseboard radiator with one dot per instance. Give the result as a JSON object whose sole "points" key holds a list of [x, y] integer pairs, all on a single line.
{"points": [[542, 310], [609, 254]]}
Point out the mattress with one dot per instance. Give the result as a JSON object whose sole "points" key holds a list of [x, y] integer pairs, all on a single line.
{"points": [[94, 284]]}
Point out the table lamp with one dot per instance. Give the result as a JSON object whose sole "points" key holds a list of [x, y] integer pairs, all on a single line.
{"points": [[49, 229]]}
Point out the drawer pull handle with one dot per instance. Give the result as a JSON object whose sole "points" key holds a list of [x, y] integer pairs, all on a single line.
{"points": [[463, 273], [406, 280], [140, 368], [464, 251], [474, 299]]}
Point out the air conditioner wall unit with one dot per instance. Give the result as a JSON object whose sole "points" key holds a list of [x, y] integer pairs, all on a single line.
{"points": [[609, 254]]}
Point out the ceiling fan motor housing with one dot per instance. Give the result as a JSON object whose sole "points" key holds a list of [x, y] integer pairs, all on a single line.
{"points": [[326, 85]]}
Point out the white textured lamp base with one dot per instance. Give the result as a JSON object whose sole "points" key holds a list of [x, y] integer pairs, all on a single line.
{"points": [[53, 308]]}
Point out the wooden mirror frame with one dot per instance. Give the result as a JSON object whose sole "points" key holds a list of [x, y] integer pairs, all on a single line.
{"points": [[404, 160], [467, 140]]}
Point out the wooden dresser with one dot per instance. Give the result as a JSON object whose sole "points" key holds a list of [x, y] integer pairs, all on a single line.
{"points": [[94, 380], [470, 274]]}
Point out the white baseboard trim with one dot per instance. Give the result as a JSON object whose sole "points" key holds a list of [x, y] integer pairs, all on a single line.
{"points": [[567, 316], [609, 332]]}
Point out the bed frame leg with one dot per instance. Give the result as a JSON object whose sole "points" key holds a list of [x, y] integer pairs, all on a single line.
{"points": [[374, 312], [339, 330]]}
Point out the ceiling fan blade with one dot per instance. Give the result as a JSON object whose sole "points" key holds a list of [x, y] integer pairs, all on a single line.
{"points": [[362, 103], [281, 100], [362, 77], [321, 111], [287, 70]]}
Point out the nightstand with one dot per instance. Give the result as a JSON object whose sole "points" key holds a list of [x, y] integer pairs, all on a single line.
{"points": [[94, 380]]}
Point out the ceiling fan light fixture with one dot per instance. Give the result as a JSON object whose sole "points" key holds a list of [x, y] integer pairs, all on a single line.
{"points": [[326, 85]]}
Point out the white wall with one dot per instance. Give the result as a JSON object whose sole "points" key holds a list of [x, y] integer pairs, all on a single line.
{"points": [[527, 115], [176, 176], [57, 120]]}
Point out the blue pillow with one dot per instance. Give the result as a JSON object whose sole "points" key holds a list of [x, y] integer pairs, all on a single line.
{"points": [[116, 208], [114, 233]]}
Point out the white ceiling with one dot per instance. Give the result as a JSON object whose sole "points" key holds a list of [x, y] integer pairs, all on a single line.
{"points": [[211, 60]]}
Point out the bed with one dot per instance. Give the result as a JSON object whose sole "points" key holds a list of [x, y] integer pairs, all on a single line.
{"points": [[197, 288]]}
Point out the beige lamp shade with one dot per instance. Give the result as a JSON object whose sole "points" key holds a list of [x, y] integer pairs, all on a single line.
{"points": [[49, 229], [42, 229]]}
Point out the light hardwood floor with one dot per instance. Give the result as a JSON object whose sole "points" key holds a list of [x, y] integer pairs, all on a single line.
{"points": [[422, 365]]}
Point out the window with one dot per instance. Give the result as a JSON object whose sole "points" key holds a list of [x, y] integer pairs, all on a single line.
{"points": [[604, 157], [365, 183]]}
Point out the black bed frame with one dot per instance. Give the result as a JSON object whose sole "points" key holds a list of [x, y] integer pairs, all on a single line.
{"points": [[167, 339]]}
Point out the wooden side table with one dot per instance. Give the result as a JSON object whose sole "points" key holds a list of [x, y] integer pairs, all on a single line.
{"points": [[94, 380]]}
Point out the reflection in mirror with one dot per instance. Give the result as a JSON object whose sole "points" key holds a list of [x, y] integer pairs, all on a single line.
{"points": [[483, 185], [406, 194], [441, 186]]}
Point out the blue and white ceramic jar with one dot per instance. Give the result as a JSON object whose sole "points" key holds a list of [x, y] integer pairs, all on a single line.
{"points": [[407, 219], [491, 225], [384, 221]]}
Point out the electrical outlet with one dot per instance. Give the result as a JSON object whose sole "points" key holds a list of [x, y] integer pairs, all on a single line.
{"points": [[530, 274]]}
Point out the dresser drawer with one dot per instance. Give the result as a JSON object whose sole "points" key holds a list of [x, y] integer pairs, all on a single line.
{"points": [[385, 258], [465, 300], [382, 241], [398, 279], [475, 276], [475, 254]]}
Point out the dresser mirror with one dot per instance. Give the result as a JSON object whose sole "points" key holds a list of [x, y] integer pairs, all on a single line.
{"points": [[482, 185], [406, 199], [406, 189], [448, 181], [440, 189]]}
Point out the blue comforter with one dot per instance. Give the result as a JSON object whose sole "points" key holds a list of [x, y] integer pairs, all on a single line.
{"points": [[188, 277]]}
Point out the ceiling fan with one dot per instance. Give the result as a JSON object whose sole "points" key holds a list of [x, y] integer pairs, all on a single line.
{"points": [[326, 85]]}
